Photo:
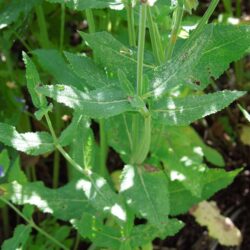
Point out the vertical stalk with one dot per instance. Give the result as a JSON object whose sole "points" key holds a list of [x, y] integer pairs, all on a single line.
{"points": [[90, 20], [141, 45], [141, 125], [131, 24], [206, 17], [44, 37], [6, 223], [62, 26], [176, 26], [238, 8], [103, 138], [155, 38]]}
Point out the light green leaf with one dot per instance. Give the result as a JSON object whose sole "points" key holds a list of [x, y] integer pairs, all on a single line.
{"points": [[183, 111], [101, 103], [13, 9], [33, 80], [29, 143], [53, 62], [147, 194], [202, 57], [181, 200], [86, 69], [93, 4], [19, 239]]}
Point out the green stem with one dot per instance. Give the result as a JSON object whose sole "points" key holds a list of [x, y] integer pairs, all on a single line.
{"points": [[206, 17], [238, 8], [90, 20], [155, 38], [141, 45], [104, 147], [131, 24], [32, 224], [62, 26], [176, 26], [77, 242], [61, 150], [228, 6], [44, 37], [141, 126], [56, 169], [6, 223]]}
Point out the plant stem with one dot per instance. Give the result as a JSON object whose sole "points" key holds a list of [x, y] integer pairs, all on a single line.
{"points": [[141, 44], [206, 17], [62, 26], [6, 223], [56, 169], [131, 24], [104, 148], [238, 8], [90, 20], [32, 224], [44, 37], [77, 242], [155, 39], [228, 6], [61, 150], [176, 26], [141, 126]]}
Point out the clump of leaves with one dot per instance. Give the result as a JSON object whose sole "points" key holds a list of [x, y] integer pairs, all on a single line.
{"points": [[144, 115]]}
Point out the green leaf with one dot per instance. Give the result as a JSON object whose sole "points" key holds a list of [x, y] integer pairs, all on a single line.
{"points": [[65, 203], [202, 57], [13, 9], [143, 234], [68, 135], [244, 112], [102, 197], [86, 69], [183, 111], [93, 4], [112, 54], [19, 239], [29, 143], [33, 80], [182, 153], [147, 194], [101, 103], [181, 200], [53, 62], [92, 228]]}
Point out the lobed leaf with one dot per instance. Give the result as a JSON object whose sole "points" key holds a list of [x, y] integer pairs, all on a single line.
{"points": [[29, 143], [183, 111], [202, 57], [101, 103]]}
